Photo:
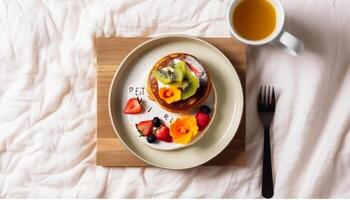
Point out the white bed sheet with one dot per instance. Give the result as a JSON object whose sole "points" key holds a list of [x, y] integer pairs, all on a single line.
{"points": [[48, 101]]}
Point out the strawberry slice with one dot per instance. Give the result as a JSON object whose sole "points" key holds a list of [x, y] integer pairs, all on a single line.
{"points": [[203, 120], [163, 134], [133, 106], [194, 69], [145, 127]]}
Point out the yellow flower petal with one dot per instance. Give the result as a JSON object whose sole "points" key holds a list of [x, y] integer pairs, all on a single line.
{"points": [[170, 94], [184, 129]]}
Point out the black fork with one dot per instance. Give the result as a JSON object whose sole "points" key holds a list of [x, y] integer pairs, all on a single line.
{"points": [[266, 109]]}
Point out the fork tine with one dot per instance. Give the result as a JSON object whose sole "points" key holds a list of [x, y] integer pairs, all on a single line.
{"points": [[265, 95], [273, 101], [268, 96], [260, 98]]}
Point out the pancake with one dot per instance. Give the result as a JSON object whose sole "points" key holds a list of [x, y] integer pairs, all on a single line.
{"points": [[196, 68]]}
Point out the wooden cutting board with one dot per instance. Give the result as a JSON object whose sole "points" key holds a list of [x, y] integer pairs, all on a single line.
{"points": [[110, 151]]}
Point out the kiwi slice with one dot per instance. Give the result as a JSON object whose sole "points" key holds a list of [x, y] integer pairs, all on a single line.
{"points": [[190, 85], [179, 73], [182, 86], [181, 65], [164, 75], [169, 74]]}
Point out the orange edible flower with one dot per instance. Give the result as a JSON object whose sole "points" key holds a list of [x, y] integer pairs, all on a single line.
{"points": [[170, 94], [184, 129]]}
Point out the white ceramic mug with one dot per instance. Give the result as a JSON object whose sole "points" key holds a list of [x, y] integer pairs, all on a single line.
{"points": [[278, 37]]}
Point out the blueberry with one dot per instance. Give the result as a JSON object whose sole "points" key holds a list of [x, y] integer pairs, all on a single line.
{"points": [[156, 122], [205, 109], [151, 138]]}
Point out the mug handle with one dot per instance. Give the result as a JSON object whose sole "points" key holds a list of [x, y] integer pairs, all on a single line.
{"points": [[289, 43]]}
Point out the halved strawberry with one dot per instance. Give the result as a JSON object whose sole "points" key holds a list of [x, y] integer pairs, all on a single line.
{"points": [[145, 127], [203, 120], [133, 106], [163, 134]]}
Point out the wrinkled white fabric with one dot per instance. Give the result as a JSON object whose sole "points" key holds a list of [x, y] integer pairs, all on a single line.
{"points": [[48, 101]]}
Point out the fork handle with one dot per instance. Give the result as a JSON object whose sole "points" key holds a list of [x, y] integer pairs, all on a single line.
{"points": [[267, 182]]}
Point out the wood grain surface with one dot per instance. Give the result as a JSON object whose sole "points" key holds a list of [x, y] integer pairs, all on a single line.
{"points": [[110, 151]]}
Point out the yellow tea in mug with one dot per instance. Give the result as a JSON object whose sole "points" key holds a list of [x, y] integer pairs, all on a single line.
{"points": [[254, 19]]}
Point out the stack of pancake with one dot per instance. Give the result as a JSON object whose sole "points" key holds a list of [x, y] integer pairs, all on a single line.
{"points": [[195, 83]]}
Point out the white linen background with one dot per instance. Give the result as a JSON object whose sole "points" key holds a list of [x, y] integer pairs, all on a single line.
{"points": [[48, 101]]}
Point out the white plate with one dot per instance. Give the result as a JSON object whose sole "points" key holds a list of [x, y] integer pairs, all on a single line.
{"points": [[228, 110]]}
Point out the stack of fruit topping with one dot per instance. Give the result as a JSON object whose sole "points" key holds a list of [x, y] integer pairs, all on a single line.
{"points": [[176, 82]]}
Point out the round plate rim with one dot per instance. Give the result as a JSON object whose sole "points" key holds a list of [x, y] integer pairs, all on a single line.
{"points": [[240, 108]]}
